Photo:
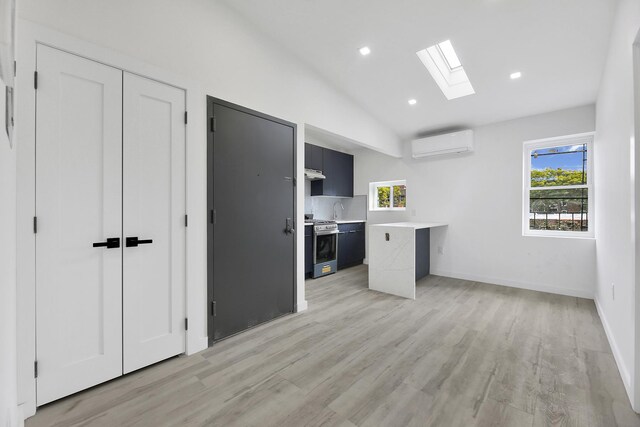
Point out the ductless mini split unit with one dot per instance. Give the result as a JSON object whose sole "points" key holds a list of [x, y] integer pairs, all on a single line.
{"points": [[448, 143]]}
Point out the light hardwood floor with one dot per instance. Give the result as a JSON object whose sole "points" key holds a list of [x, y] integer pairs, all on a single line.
{"points": [[462, 354]]}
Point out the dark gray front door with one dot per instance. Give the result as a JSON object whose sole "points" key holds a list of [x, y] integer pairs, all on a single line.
{"points": [[251, 198]]}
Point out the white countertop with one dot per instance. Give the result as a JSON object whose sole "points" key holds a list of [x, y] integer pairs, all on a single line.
{"points": [[414, 225], [341, 221]]}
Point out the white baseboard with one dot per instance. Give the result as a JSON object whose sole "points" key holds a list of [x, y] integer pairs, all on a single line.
{"points": [[19, 417], [196, 345], [14, 417], [622, 368], [302, 306], [516, 284], [26, 410]]}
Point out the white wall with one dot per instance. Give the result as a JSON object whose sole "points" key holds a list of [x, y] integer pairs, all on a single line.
{"points": [[8, 391], [480, 196], [614, 149], [207, 42], [204, 42]]}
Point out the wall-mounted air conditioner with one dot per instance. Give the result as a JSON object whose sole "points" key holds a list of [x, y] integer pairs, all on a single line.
{"points": [[448, 143]]}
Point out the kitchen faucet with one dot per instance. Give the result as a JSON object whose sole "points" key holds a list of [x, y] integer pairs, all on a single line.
{"points": [[335, 213]]}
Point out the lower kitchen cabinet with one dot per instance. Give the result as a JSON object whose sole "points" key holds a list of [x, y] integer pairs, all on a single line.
{"points": [[351, 244], [308, 250]]}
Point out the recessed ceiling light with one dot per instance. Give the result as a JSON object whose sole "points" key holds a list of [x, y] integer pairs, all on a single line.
{"points": [[364, 51], [516, 75], [412, 102]]}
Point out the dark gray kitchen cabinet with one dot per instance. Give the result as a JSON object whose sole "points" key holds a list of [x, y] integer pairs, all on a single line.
{"points": [[351, 245], [337, 167], [423, 237], [313, 157], [308, 250]]}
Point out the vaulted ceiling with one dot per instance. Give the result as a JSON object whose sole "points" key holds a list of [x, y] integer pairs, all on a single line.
{"points": [[559, 46]]}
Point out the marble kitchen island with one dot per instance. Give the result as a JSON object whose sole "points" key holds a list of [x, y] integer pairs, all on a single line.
{"points": [[399, 256]]}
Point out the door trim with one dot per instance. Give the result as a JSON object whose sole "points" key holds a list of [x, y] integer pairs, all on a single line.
{"points": [[211, 101], [29, 35], [122, 73]]}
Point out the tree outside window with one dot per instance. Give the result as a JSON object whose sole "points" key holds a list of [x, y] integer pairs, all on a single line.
{"points": [[558, 185], [390, 195]]}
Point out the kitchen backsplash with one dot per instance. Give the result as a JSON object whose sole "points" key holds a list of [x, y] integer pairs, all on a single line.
{"points": [[322, 207]]}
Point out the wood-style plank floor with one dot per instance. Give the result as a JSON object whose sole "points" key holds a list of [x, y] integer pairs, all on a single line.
{"points": [[462, 354]]}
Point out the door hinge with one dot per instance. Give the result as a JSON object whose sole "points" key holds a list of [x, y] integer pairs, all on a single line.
{"points": [[213, 123], [35, 80], [186, 324], [213, 216], [35, 369], [15, 68], [295, 181], [213, 308], [185, 118], [186, 220], [35, 225]]}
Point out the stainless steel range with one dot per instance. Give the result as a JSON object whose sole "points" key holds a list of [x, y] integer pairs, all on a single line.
{"points": [[325, 247]]}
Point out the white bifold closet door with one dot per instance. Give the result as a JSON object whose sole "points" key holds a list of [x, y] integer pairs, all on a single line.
{"points": [[110, 164], [78, 203], [153, 210]]}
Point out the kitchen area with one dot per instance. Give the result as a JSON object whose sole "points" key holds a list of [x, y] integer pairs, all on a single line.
{"points": [[335, 217], [339, 233]]}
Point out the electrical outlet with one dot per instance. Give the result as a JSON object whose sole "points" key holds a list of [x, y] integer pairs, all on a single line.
{"points": [[440, 250], [613, 291]]}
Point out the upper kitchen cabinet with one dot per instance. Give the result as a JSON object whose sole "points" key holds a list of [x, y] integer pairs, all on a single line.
{"points": [[337, 167], [313, 157]]}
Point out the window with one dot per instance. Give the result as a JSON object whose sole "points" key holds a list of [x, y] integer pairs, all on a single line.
{"points": [[389, 195], [449, 54], [558, 180], [445, 67]]}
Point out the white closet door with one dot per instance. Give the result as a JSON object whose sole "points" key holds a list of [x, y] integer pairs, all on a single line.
{"points": [[154, 209], [78, 203]]}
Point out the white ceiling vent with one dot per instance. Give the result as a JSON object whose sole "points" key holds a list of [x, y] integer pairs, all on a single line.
{"points": [[448, 143]]}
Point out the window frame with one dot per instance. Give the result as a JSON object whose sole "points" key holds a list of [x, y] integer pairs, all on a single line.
{"points": [[373, 195], [529, 146]]}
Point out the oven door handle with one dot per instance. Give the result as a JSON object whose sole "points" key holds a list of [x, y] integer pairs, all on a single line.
{"points": [[327, 233]]}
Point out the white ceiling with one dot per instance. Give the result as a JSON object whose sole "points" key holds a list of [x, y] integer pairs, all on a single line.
{"points": [[558, 45]]}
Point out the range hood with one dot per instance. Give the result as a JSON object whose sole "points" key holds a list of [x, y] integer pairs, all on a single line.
{"points": [[313, 175]]}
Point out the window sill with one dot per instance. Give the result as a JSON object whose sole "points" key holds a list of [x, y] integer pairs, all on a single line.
{"points": [[388, 210], [561, 236]]}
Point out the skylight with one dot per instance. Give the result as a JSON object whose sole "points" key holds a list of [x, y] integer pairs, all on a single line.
{"points": [[446, 69], [449, 54]]}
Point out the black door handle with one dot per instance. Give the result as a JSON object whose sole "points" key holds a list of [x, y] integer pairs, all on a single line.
{"points": [[111, 243], [133, 242]]}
